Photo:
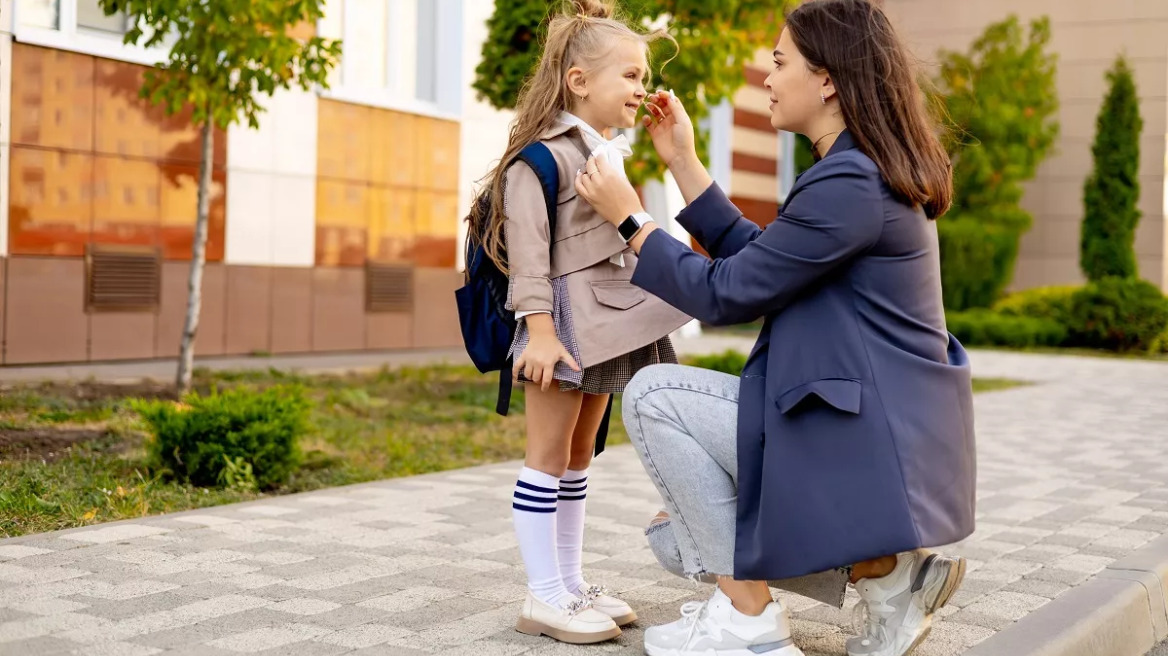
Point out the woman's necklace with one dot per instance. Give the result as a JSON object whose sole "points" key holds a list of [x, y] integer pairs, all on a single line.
{"points": [[815, 146]]}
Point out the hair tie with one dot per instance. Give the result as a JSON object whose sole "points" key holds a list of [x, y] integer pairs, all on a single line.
{"points": [[582, 16]]}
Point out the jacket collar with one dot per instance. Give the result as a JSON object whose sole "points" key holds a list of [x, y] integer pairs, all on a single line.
{"points": [[556, 130], [843, 142]]}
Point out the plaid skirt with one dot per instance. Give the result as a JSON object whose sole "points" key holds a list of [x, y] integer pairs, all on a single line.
{"points": [[609, 377]]}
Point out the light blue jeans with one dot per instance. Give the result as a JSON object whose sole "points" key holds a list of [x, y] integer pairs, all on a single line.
{"points": [[683, 423]]}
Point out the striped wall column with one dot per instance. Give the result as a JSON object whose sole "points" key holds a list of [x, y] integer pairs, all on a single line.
{"points": [[755, 148]]}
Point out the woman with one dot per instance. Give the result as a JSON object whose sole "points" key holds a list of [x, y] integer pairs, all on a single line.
{"points": [[853, 415]]}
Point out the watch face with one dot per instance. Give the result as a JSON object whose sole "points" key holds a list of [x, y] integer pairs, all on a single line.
{"points": [[628, 228]]}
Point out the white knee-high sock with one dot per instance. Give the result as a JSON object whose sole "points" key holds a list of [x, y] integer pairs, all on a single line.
{"points": [[570, 528], [533, 509]]}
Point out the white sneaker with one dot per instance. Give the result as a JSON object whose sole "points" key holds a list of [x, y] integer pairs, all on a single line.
{"points": [[620, 612], [576, 622], [715, 627], [895, 612]]}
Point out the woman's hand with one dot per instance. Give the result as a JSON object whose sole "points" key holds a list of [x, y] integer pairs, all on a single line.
{"points": [[671, 129], [538, 360], [607, 191]]}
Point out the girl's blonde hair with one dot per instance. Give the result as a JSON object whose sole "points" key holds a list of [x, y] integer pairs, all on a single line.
{"points": [[581, 34]]}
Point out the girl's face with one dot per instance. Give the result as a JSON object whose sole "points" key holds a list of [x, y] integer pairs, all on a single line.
{"points": [[795, 91], [615, 89]]}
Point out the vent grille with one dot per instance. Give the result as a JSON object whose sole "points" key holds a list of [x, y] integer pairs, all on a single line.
{"points": [[389, 288], [122, 280]]}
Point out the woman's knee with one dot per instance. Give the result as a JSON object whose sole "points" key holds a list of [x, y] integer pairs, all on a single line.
{"points": [[637, 395]]}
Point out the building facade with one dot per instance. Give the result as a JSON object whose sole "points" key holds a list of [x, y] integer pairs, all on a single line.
{"points": [[333, 227], [336, 225], [1087, 36]]}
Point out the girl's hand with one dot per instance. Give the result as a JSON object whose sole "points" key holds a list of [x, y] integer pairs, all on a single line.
{"points": [[607, 191], [671, 129], [538, 360]]}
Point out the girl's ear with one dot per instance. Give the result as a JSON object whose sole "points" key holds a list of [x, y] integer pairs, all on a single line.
{"points": [[577, 83]]}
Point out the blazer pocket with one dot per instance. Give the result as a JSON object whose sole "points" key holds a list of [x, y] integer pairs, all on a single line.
{"points": [[617, 294], [843, 394]]}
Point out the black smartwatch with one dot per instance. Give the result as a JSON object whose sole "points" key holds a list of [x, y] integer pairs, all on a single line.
{"points": [[632, 225]]}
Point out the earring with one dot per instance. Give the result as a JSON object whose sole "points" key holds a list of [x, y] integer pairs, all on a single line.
{"points": [[823, 97]]}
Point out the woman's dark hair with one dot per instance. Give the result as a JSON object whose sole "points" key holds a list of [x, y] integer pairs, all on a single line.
{"points": [[882, 104]]}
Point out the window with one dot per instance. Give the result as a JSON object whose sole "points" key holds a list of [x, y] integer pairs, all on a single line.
{"points": [[91, 16], [400, 54], [39, 13], [79, 26]]}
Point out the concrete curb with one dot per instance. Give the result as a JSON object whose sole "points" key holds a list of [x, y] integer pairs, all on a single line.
{"points": [[1121, 612]]}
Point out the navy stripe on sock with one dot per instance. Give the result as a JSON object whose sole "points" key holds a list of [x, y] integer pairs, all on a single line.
{"points": [[528, 497], [534, 510], [577, 488], [582, 480], [535, 488], [572, 498]]}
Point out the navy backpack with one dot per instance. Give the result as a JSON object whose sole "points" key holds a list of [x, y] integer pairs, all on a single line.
{"points": [[488, 327]]}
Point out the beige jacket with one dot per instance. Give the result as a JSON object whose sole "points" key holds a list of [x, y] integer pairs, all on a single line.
{"points": [[610, 315]]}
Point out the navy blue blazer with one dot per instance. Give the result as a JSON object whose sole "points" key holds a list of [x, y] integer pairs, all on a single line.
{"points": [[855, 419]]}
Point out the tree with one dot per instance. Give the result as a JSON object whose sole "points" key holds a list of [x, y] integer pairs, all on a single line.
{"points": [[223, 54], [1112, 193], [1001, 99], [715, 42]]}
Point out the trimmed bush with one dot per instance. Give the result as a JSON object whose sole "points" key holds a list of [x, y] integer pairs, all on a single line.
{"points": [[237, 438], [1002, 101], [977, 261], [730, 362], [1112, 193], [1118, 314], [1053, 303], [981, 327]]}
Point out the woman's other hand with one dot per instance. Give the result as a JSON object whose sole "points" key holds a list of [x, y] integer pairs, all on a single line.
{"points": [[671, 129]]}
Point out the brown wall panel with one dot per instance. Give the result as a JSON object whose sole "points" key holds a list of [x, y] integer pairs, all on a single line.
{"points": [[338, 309], [754, 120], [435, 314], [754, 164], [388, 330], [249, 309], [52, 98], [121, 335], [209, 338], [760, 211], [46, 315], [756, 77], [291, 310]]}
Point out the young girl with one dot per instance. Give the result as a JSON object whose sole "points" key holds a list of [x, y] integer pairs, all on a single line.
{"points": [[584, 329]]}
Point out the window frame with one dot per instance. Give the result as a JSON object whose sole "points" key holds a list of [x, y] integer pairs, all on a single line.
{"points": [[447, 62], [73, 38]]}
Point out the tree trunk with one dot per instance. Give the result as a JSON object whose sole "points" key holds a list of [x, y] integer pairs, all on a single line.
{"points": [[198, 258]]}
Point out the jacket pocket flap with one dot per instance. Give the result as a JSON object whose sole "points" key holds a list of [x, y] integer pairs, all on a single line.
{"points": [[617, 294], [840, 393]]}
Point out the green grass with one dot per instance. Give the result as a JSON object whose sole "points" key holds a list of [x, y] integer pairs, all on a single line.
{"points": [[995, 384], [365, 427]]}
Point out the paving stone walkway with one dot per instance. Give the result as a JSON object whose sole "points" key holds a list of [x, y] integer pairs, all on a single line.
{"points": [[1073, 473]]}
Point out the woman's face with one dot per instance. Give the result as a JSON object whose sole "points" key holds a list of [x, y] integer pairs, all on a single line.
{"points": [[795, 90]]}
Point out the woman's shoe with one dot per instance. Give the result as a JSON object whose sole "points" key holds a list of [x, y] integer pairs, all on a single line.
{"points": [[715, 628], [895, 612], [620, 612], [576, 622]]}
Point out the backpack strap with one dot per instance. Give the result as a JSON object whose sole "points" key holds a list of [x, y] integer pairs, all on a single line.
{"points": [[540, 159]]}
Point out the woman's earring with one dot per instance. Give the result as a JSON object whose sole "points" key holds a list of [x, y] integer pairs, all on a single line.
{"points": [[823, 97]]}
